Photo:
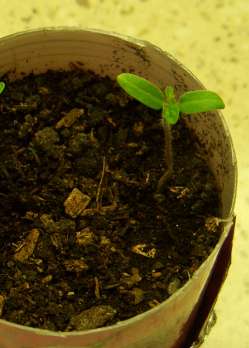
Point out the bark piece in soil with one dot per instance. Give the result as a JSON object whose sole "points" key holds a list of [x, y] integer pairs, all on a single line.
{"points": [[174, 285], [92, 318], [76, 203], [75, 265], [138, 295], [26, 249], [45, 138], [69, 119], [85, 237], [129, 280]]}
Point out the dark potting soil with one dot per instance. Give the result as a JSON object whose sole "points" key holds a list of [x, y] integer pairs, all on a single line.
{"points": [[83, 241]]}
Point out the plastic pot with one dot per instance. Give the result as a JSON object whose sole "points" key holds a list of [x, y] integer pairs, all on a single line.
{"points": [[179, 321]]}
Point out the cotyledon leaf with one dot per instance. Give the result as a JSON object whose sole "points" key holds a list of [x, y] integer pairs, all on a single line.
{"points": [[200, 101], [142, 90]]}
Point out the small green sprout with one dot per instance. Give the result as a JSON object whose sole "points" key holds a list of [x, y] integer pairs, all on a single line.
{"points": [[153, 97], [2, 87], [150, 95]]}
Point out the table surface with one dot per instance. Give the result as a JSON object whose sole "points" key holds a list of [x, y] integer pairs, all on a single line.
{"points": [[211, 38]]}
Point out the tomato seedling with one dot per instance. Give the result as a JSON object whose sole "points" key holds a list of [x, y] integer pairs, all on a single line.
{"points": [[153, 97]]}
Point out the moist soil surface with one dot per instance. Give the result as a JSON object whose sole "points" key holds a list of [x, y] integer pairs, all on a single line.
{"points": [[84, 240]]}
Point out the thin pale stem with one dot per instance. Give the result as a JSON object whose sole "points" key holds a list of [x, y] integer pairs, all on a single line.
{"points": [[168, 154], [99, 190]]}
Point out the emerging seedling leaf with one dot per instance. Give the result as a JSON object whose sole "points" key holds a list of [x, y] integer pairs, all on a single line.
{"points": [[171, 112], [142, 90], [200, 101], [2, 86]]}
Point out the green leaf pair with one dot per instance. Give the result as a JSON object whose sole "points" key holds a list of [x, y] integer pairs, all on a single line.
{"points": [[150, 95]]}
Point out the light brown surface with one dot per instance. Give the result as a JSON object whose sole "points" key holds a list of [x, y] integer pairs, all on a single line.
{"points": [[211, 38]]}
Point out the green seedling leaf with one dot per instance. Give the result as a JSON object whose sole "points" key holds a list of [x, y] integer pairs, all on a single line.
{"points": [[2, 86], [142, 90], [171, 112], [200, 101]]}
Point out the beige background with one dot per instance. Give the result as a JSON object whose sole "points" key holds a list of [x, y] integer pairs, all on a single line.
{"points": [[210, 37]]}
